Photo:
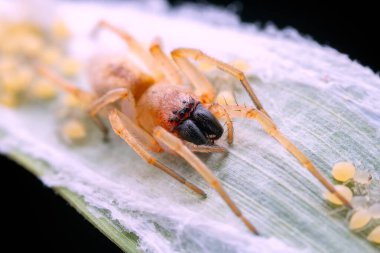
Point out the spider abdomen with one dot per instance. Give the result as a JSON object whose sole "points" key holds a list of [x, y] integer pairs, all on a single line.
{"points": [[107, 72]]}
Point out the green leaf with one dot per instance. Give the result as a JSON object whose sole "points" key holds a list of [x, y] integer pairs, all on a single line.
{"points": [[126, 241], [325, 103]]}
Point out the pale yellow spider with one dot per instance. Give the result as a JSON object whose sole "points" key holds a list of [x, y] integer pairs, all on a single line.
{"points": [[159, 114]]}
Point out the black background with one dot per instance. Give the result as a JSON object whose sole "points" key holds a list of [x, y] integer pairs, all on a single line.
{"points": [[41, 221]]}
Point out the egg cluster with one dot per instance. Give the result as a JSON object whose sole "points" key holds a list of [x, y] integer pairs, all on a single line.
{"points": [[358, 187], [23, 46]]}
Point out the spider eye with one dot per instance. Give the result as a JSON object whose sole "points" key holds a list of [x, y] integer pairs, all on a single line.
{"points": [[188, 131], [182, 113], [207, 123]]}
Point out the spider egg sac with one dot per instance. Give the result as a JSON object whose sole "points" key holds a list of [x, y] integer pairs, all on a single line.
{"points": [[359, 202], [343, 190], [374, 236], [362, 177], [359, 219], [343, 171]]}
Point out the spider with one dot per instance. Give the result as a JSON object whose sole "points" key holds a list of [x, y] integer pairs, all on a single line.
{"points": [[156, 112]]}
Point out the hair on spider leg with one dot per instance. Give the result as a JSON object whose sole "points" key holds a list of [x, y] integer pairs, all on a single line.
{"points": [[225, 100]]}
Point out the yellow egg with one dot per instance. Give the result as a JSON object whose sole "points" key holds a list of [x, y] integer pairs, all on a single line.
{"points": [[374, 236], [22, 28], [8, 99], [50, 55], [9, 46], [74, 130], [60, 30], [2, 31], [7, 63], [69, 67], [343, 171], [42, 89], [359, 219], [32, 45], [25, 75], [72, 101], [16, 81], [343, 190]]}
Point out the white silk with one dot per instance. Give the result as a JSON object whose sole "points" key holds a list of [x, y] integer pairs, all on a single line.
{"points": [[324, 102]]}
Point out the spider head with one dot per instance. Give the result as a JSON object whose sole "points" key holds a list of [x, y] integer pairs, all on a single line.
{"points": [[196, 124]]}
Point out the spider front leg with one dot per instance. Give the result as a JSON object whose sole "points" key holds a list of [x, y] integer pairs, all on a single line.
{"points": [[167, 67], [203, 88], [176, 145], [134, 136], [134, 45], [85, 97], [101, 102], [108, 98], [237, 111], [181, 55], [223, 113], [205, 148]]}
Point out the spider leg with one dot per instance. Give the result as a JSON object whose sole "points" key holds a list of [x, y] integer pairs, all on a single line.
{"points": [[108, 98], [167, 67], [224, 114], [177, 146], [128, 133], [226, 97], [203, 88], [197, 55], [134, 45], [237, 111], [101, 102], [83, 96], [205, 148]]}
